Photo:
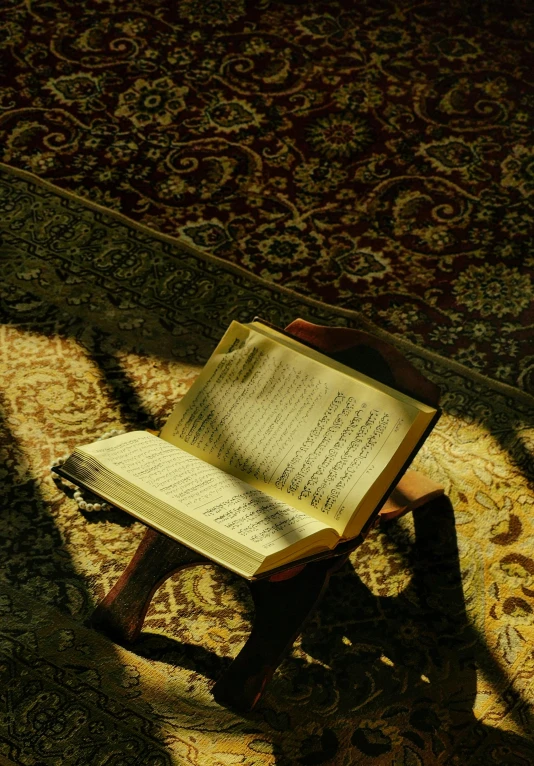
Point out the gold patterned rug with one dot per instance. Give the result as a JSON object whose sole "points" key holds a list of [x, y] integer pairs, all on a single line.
{"points": [[421, 652]]}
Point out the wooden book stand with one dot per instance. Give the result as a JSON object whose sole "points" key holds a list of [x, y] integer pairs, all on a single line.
{"points": [[284, 600]]}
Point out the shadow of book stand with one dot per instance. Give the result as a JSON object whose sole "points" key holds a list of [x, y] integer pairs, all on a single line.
{"points": [[284, 599]]}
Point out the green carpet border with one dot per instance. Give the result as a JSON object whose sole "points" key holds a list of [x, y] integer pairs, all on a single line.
{"points": [[395, 340]]}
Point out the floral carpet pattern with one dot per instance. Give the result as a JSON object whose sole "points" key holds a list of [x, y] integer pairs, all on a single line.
{"points": [[375, 156], [421, 651]]}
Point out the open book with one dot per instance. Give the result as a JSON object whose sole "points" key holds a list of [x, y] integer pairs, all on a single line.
{"points": [[276, 453]]}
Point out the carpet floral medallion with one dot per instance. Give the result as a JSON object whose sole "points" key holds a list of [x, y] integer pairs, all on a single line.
{"points": [[375, 156], [421, 651]]}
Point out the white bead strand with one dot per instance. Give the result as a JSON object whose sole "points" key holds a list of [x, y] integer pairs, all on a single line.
{"points": [[78, 497]]}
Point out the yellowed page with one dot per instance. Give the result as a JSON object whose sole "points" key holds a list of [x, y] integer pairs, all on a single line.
{"points": [[214, 498], [310, 435], [312, 353]]}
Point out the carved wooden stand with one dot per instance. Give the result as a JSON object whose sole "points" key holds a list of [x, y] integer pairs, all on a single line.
{"points": [[284, 600]]}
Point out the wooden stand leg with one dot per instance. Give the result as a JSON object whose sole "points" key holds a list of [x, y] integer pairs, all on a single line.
{"points": [[281, 611], [122, 612]]}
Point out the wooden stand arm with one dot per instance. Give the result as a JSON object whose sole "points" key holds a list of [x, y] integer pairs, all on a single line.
{"points": [[281, 609], [122, 612], [413, 490]]}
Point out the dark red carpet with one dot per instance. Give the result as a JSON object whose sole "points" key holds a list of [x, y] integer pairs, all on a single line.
{"points": [[373, 155]]}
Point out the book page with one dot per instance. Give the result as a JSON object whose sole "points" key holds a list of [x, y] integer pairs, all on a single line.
{"points": [[308, 434], [215, 498]]}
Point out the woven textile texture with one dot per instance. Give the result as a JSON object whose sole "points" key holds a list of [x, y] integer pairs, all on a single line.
{"points": [[376, 156], [421, 651]]}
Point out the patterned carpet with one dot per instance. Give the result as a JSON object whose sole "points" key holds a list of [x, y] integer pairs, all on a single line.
{"points": [[374, 155], [421, 652]]}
